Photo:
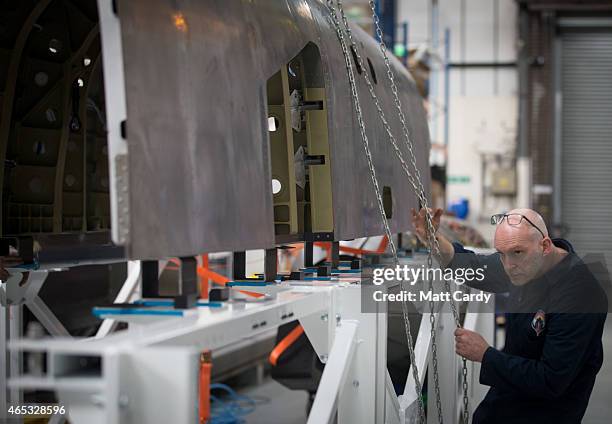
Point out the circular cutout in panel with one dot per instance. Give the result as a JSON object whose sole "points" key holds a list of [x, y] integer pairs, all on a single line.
{"points": [[41, 79], [276, 186], [70, 180], [35, 185]]}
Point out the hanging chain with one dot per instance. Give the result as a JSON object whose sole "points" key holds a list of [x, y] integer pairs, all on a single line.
{"points": [[431, 230], [419, 191], [418, 188], [364, 138]]}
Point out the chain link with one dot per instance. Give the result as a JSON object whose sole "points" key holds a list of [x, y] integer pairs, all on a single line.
{"points": [[364, 138]]}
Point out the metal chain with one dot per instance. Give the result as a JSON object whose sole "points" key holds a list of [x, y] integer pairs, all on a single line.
{"points": [[364, 138], [419, 191], [430, 227], [434, 347]]}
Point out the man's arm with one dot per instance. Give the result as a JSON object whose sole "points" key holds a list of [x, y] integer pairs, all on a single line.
{"points": [[564, 353], [419, 223]]}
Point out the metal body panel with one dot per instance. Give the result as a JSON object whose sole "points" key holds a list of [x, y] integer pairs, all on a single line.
{"points": [[198, 161]]}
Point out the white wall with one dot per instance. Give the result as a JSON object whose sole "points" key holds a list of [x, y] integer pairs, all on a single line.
{"points": [[483, 108]]}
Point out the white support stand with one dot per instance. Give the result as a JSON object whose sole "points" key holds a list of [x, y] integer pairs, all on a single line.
{"points": [[47, 318], [335, 373], [149, 373], [10, 361], [364, 396], [17, 291], [129, 288]]}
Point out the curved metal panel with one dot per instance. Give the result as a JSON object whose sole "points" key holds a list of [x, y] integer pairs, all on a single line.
{"points": [[198, 161]]}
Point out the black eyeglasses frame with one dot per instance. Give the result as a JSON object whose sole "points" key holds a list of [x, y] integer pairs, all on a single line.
{"points": [[499, 217]]}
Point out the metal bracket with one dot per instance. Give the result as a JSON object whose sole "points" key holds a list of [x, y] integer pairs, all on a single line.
{"points": [[150, 279], [23, 287], [308, 254], [270, 263], [239, 265], [335, 254], [188, 284]]}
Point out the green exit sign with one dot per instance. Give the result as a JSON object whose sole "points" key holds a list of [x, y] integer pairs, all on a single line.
{"points": [[458, 179], [399, 50]]}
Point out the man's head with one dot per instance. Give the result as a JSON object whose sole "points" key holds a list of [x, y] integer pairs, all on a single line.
{"points": [[523, 245]]}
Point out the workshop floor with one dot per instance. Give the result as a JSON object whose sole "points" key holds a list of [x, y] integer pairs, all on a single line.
{"points": [[276, 404]]}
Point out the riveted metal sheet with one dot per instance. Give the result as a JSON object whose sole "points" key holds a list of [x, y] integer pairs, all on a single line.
{"points": [[198, 163]]}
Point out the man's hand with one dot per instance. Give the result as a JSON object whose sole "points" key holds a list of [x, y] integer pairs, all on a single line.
{"points": [[419, 222], [470, 345]]}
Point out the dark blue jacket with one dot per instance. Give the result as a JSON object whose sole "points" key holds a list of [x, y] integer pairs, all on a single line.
{"points": [[553, 351]]}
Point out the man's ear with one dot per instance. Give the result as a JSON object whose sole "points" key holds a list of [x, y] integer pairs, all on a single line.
{"points": [[547, 245]]}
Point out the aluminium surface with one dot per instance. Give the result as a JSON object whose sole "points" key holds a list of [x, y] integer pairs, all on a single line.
{"points": [[198, 161]]}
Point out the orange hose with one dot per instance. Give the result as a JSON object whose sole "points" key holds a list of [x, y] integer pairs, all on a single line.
{"points": [[382, 247], [328, 251], [204, 279], [222, 280], [287, 341], [205, 371]]}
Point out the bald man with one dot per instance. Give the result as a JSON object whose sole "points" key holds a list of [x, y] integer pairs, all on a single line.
{"points": [[555, 316]]}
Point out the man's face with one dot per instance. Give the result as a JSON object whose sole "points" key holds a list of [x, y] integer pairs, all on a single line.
{"points": [[521, 253]]}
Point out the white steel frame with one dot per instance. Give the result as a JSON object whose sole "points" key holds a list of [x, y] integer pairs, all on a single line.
{"points": [[149, 372]]}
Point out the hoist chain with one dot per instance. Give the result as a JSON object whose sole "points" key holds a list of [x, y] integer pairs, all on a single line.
{"points": [[416, 183], [419, 191], [432, 240], [364, 138]]}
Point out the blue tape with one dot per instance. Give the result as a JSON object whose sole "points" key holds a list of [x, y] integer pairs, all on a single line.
{"points": [[171, 303], [98, 312], [247, 283]]}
